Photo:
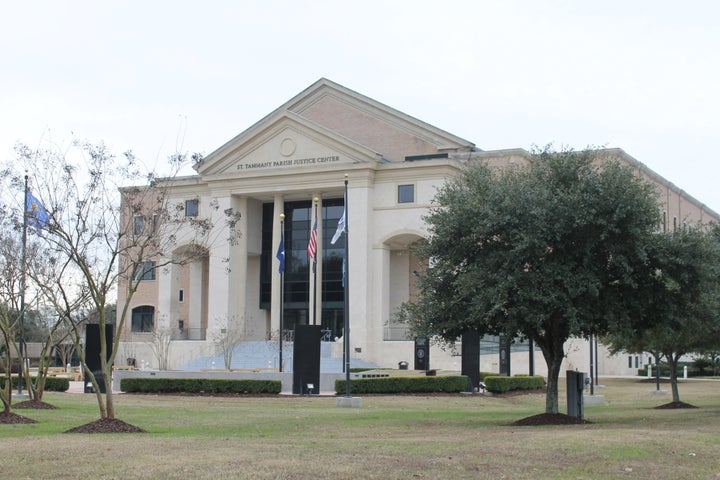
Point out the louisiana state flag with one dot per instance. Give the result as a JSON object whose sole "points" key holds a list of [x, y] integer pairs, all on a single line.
{"points": [[37, 215]]}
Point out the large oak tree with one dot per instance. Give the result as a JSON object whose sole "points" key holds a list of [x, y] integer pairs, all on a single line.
{"points": [[548, 250]]}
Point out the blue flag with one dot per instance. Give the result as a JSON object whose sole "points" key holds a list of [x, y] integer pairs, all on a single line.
{"points": [[37, 216], [281, 255]]}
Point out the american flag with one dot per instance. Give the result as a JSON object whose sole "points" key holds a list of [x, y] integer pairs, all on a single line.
{"points": [[312, 244]]}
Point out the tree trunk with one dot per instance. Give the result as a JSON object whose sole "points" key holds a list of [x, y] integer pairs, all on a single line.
{"points": [[551, 396], [109, 401], [552, 349], [673, 360]]}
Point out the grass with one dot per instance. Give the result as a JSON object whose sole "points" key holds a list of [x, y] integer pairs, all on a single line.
{"points": [[390, 437]]}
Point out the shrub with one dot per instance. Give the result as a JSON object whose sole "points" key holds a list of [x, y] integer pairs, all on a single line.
{"points": [[451, 384], [52, 384], [200, 385], [498, 384]]}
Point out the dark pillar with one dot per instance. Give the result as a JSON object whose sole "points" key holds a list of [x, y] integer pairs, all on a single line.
{"points": [[471, 359], [306, 359]]}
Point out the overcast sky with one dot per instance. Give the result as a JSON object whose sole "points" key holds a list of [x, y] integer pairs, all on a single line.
{"points": [[161, 76]]}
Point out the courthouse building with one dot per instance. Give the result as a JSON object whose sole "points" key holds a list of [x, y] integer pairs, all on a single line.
{"points": [[295, 162]]}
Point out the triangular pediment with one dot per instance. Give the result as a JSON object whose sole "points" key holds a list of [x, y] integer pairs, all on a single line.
{"points": [[326, 120], [384, 129], [285, 140]]}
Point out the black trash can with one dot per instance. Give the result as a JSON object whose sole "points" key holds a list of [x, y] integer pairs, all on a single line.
{"points": [[403, 365]]}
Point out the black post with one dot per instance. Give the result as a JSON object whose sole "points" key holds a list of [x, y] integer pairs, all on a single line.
{"points": [[592, 367], [531, 359], [505, 354], [597, 364]]}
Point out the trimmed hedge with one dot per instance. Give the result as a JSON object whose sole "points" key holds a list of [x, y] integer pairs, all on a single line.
{"points": [[452, 384], [199, 385], [52, 384], [498, 384]]}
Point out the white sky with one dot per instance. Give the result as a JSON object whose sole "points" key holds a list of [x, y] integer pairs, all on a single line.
{"points": [[160, 76]]}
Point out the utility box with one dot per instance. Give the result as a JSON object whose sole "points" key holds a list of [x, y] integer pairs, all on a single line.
{"points": [[575, 387]]}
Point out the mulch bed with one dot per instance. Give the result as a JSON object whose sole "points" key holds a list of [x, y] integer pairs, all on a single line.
{"points": [[14, 418], [673, 405], [550, 419], [106, 425], [35, 405]]}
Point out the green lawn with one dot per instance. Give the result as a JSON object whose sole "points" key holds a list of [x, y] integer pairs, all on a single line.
{"points": [[390, 437]]}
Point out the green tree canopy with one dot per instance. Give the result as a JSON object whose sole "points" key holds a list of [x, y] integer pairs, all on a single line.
{"points": [[546, 251], [681, 299]]}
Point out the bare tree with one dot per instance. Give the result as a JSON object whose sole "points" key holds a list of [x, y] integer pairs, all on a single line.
{"points": [[160, 346], [16, 300], [110, 236], [226, 340]]}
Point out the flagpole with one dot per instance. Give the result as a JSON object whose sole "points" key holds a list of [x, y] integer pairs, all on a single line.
{"points": [[282, 281], [314, 269], [23, 266], [346, 326]]}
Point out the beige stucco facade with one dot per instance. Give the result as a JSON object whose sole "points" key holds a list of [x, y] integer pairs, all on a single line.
{"points": [[306, 149]]}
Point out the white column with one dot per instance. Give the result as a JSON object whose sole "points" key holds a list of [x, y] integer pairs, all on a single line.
{"points": [[381, 289], [315, 308], [239, 266], [167, 304], [197, 298], [220, 281], [279, 208], [361, 271]]}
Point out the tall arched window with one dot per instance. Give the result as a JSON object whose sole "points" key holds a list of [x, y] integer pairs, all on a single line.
{"points": [[143, 319]]}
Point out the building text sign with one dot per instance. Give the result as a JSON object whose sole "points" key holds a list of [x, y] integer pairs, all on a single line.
{"points": [[291, 162]]}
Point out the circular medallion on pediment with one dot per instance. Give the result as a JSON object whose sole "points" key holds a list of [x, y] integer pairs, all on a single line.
{"points": [[287, 147]]}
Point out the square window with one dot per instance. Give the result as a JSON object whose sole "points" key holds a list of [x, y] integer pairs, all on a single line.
{"points": [[191, 208], [138, 224], [146, 271], [406, 193]]}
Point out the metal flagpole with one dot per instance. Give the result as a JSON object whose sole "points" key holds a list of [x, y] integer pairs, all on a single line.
{"points": [[23, 265], [282, 281], [346, 326]]}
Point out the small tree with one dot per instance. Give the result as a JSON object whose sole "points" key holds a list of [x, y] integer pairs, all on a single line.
{"points": [[12, 286], [544, 251], [681, 300]]}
